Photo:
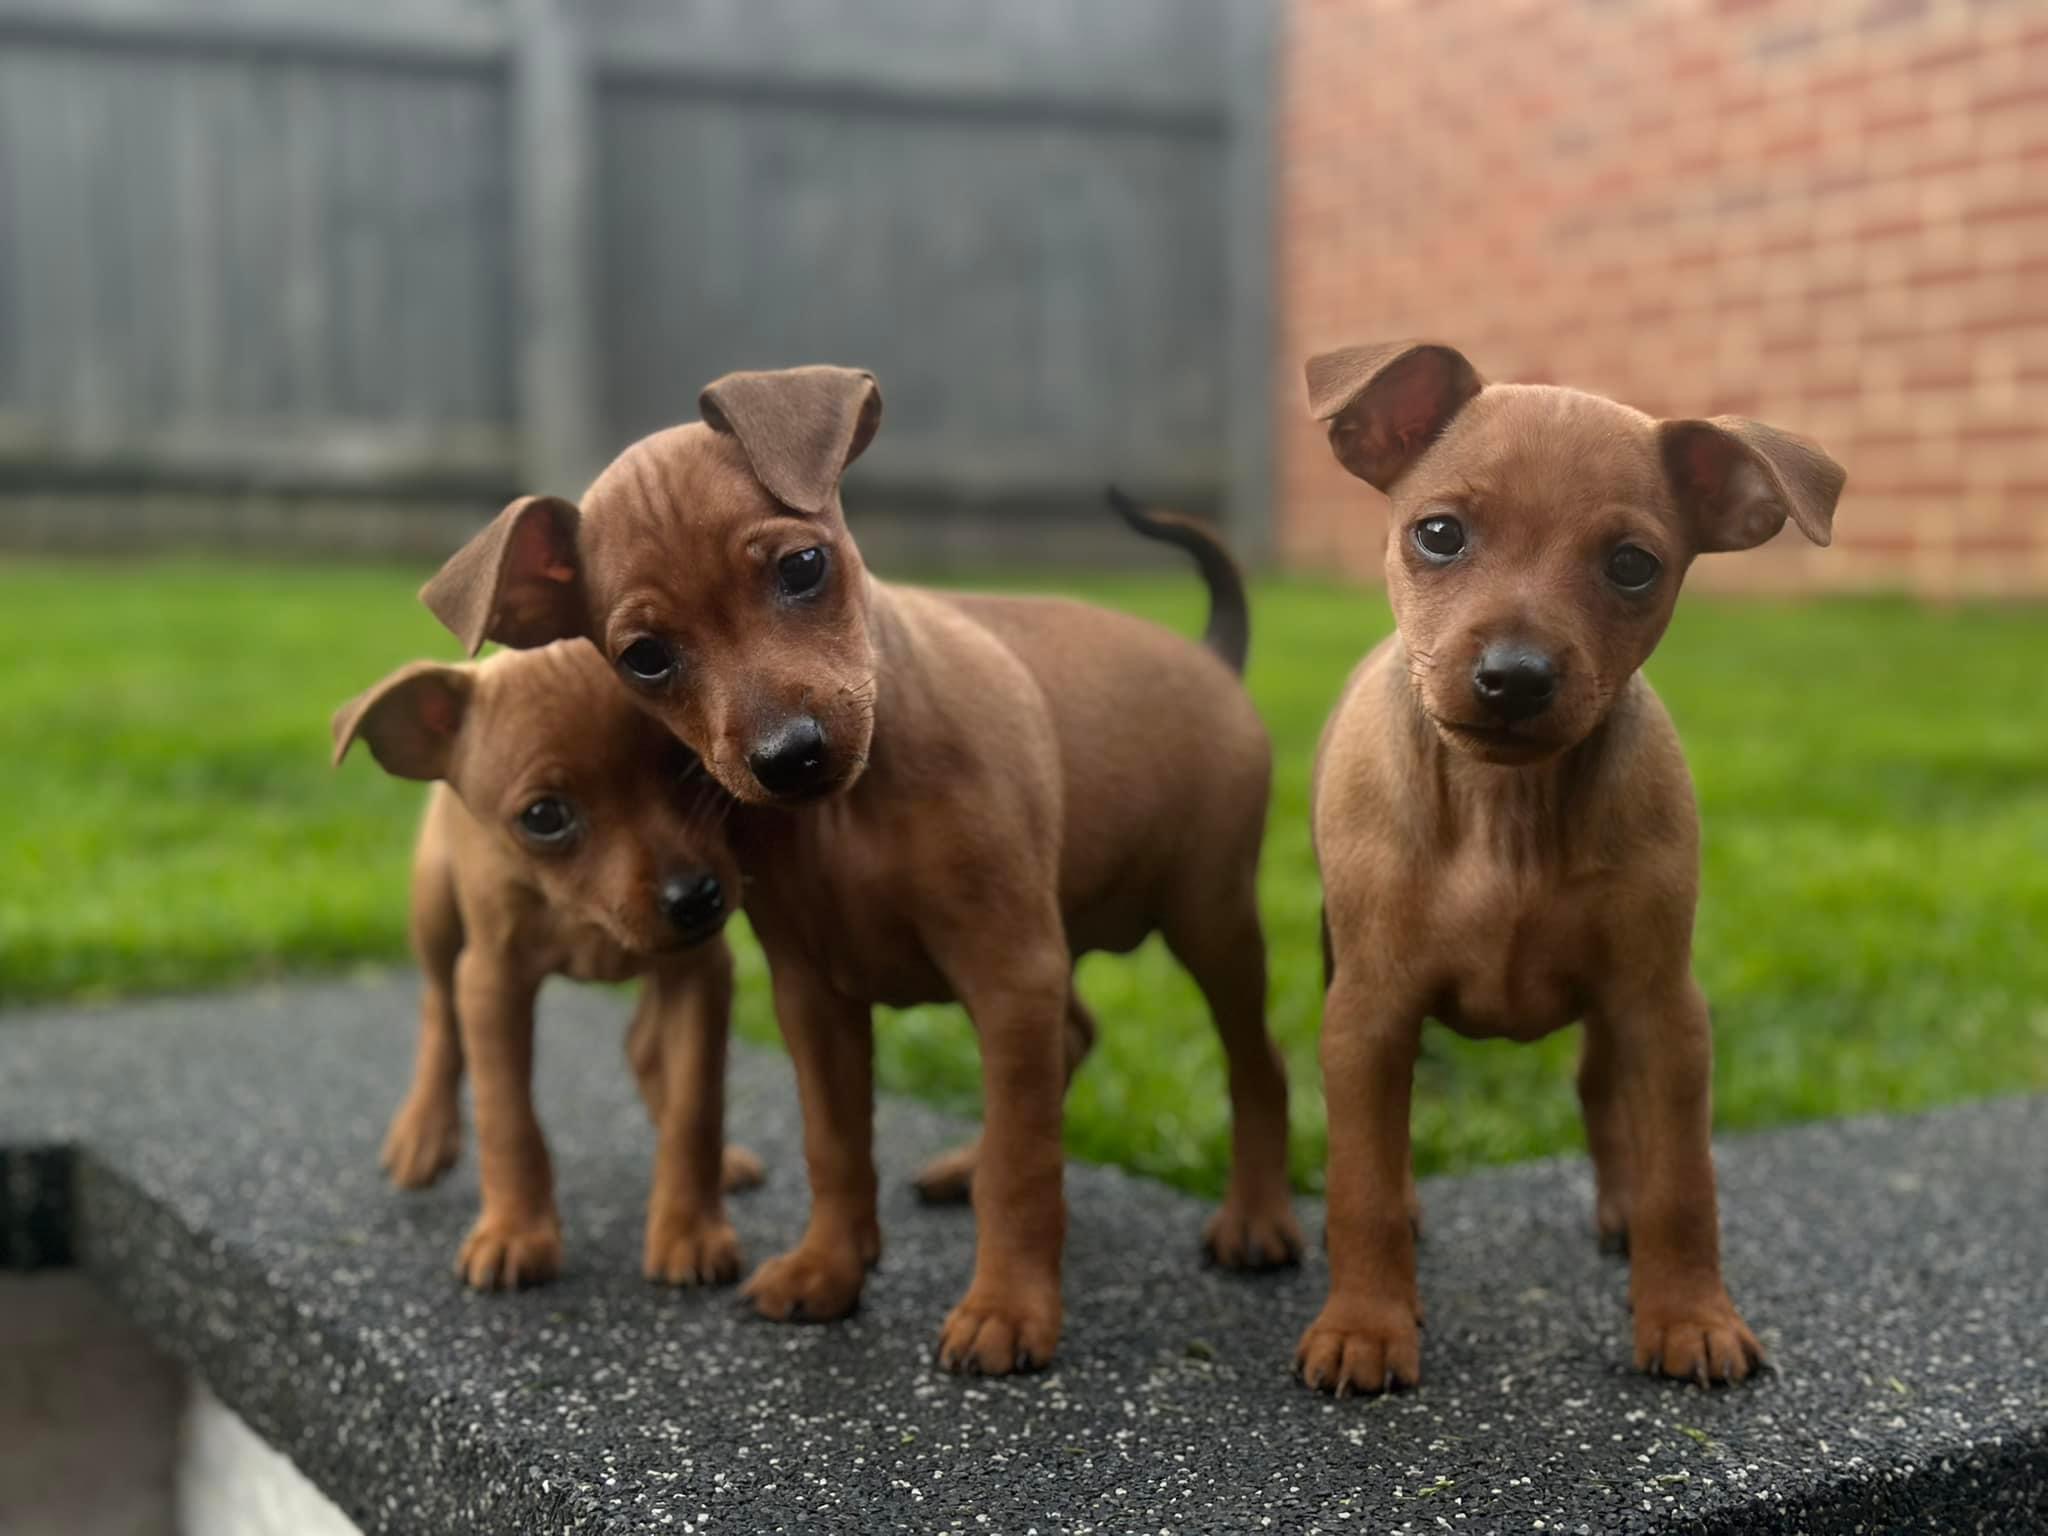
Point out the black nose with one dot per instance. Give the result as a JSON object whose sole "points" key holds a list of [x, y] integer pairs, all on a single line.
{"points": [[790, 759], [1513, 682], [691, 902]]}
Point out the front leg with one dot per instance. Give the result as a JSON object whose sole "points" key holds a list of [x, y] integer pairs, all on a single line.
{"points": [[1010, 1318], [688, 1008], [1660, 1046], [426, 1134], [1368, 1336], [831, 1044], [425, 1137], [517, 1239]]}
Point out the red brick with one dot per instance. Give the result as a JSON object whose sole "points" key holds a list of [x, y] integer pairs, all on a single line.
{"points": [[1915, 115], [1945, 57], [1847, 82], [1640, 189], [2024, 207], [1997, 543], [1944, 276], [1996, 432], [1889, 226], [2026, 94]]}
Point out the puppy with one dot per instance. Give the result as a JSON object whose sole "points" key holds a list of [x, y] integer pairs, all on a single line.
{"points": [[570, 835], [948, 797], [1504, 822]]}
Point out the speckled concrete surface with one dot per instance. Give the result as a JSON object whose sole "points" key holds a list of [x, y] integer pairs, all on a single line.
{"points": [[227, 1192]]}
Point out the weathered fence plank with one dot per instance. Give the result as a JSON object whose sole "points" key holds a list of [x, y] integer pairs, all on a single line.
{"points": [[557, 165], [396, 248]]}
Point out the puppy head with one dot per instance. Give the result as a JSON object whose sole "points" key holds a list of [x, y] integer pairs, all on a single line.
{"points": [[711, 565], [1538, 535], [609, 817]]}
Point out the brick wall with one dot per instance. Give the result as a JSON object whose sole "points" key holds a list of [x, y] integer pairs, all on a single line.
{"points": [[1830, 216]]}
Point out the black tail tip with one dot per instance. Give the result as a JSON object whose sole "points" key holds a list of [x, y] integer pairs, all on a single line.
{"points": [[1124, 505]]}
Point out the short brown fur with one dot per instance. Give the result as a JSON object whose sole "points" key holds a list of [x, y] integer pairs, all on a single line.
{"points": [[494, 915], [1003, 784], [1510, 878]]}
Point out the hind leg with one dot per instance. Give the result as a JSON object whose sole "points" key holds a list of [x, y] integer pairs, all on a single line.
{"points": [[643, 1049], [1223, 948], [1607, 1138], [948, 1179], [741, 1169], [426, 1134]]}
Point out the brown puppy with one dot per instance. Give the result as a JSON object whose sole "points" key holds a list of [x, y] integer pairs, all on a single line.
{"points": [[1504, 821], [960, 795], [570, 835]]}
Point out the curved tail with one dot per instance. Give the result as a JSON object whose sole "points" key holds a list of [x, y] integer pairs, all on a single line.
{"points": [[1229, 633]]}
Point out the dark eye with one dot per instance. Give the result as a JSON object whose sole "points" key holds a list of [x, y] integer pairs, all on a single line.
{"points": [[647, 660], [547, 820], [800, 572], [1440, 538], [1632, 568]]}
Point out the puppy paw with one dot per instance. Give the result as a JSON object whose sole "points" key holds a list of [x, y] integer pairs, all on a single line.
{"points": [[740, 1169], [1360, 1349], [948, 1179], [1241, 1235], [690, 1251], [422, 1144], [1703, 1342], [503, 1255], [993, 1333], [807, 1285]]}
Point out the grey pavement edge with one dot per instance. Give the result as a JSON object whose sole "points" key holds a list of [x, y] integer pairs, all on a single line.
{"points": [[225, 1191]]}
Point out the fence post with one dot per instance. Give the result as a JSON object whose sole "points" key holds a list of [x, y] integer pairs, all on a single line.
{"points": [[1250, 209], [554, 175]]}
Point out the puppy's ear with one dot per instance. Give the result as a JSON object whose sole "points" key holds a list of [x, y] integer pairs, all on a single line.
{"points": [[799, 427], [410, 720], [1737, 481], [518, 582], [1386, 403]]}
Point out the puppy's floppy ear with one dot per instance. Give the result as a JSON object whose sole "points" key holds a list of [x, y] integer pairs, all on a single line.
{"points": [[799, 427], [410, 720], [518, 582], [1737, 481], [1386, 403]]}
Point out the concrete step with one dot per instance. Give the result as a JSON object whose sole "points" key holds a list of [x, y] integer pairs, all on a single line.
{"points": [[222, 1184]]}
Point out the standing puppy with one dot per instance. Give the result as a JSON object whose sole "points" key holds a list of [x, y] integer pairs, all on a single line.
{"points": [[957, 796], [570, 835], [1504, 821]]}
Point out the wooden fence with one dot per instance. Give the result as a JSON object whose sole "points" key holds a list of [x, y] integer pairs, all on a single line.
{"points": [[351, 271]]}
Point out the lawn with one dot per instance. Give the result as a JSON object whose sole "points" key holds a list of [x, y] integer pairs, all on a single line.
{"points": [[1873, 776]]}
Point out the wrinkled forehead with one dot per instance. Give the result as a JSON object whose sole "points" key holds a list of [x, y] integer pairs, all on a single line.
{"points": [[1542, 447], [557, 706], [665, 495]]}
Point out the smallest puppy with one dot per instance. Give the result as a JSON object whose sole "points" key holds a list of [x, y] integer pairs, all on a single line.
{"points": [[569, 835]]}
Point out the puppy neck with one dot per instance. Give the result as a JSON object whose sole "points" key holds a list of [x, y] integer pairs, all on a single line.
{"points": [[1526, 814]]}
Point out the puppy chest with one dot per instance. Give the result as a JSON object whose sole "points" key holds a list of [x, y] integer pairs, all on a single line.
{"points": [[861, 939], [1512, 965]]}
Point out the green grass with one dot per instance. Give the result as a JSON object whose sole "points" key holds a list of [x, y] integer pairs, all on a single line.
{"points": [[1873, 776]]}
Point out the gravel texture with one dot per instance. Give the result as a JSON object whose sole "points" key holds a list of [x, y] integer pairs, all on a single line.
{"points": [[224, 1187]]}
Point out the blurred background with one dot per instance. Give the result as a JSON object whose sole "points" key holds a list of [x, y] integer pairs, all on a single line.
{"points": [[295, 293], [337, 273]]}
